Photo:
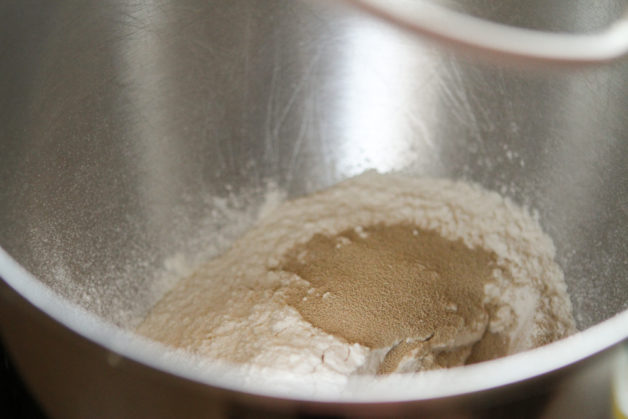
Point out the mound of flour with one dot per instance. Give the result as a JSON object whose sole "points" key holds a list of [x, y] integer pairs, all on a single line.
{"points": [[241, 307]]}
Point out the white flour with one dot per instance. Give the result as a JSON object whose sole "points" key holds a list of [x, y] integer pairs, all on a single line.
{"points": [[234, 309]]}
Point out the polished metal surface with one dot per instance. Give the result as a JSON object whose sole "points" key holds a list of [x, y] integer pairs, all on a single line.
{"points": [[429, 19], [132, 131]]}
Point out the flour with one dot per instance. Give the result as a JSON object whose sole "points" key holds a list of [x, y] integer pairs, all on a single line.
{"points": [[236, 308]]}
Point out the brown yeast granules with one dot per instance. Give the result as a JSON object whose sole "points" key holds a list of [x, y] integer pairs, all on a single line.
{"points": [[395, 286], [379, 273]]}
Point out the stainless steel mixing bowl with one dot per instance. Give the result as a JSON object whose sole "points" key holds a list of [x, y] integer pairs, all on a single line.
{"points": [[132, 131]]}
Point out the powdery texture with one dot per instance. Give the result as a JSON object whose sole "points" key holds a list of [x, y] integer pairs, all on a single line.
{"points": [[235, 308]]}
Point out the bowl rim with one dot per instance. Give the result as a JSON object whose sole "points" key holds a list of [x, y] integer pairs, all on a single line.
{"points": [[427, 385]]}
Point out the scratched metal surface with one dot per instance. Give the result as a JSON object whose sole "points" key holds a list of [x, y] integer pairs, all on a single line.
{"points": [[120, 121]]}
